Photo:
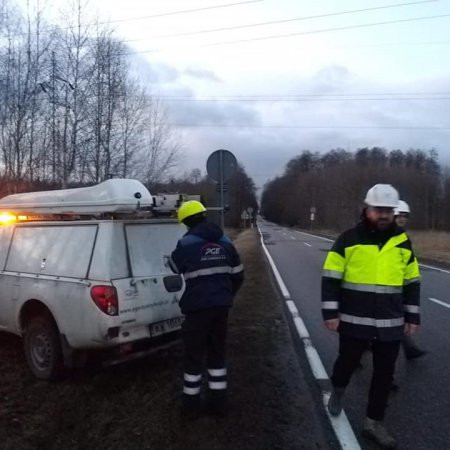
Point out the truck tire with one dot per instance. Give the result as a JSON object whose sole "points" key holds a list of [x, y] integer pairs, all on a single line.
{"points": [[42, 347]]}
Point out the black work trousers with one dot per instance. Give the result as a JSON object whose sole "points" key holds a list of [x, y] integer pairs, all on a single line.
{"points": [[384, 358], [204, 334]]}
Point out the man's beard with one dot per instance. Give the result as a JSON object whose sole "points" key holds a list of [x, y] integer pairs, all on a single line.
{"points": [[383, 224]]}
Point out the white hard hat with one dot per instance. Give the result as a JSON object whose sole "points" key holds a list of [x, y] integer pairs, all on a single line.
{"points": [[402, 207], [382, 195]]}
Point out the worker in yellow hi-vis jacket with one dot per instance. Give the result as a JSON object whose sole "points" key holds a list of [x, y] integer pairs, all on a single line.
{"points": [[371, 296]]}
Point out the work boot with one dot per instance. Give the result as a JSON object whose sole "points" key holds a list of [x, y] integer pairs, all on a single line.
{"points": [[375, 430], [414, 353], [335, 401]]}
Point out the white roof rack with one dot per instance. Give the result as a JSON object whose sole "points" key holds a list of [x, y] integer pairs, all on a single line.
{"points": [[111, 196]]}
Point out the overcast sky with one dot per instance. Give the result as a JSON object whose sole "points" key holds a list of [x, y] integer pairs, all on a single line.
{"points": [[266, 98]]}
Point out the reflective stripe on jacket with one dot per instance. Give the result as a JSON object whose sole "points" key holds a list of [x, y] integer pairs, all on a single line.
{"points": [[371, 281], [211, 267]]}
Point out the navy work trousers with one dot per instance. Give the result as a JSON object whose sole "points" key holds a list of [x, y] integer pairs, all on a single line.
{"points": [[384, 358]]}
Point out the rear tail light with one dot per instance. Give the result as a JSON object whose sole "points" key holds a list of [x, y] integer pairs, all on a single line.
{"points": [[105, 297]]}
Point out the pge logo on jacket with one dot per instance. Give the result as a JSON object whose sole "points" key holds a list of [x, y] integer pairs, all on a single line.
{"points": [[212, 252]]}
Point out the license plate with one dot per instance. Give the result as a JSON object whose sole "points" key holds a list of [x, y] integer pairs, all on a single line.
{"points": [[166, 326]]}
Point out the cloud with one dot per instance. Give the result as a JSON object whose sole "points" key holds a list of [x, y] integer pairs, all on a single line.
{"points": [[332, 79], [202, 74], [164, 73], [336, 111], [213, 113]]}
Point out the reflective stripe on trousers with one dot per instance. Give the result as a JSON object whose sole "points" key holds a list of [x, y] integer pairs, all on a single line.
{"points": [[192, 384], [217, 379]]}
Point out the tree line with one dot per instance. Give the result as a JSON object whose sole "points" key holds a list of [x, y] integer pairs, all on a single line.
{"points": [[334, 185], [73, 110], [240, 194]]}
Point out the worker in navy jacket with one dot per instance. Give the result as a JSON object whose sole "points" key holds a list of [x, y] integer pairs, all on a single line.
{"points": [[213, 273]]}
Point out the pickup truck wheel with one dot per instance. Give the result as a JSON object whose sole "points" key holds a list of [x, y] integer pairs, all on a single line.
{"points": [[43, 348]]}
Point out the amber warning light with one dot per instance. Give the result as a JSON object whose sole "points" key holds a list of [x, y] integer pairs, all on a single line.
{"points": [[6, 218]]}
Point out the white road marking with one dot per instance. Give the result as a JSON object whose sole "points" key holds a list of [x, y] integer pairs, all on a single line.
{"points": [[313, 235], [302, 331], [341, 427], [292, 237], [283, 288], [340, 424], [309, 245], [292, 308], [315, 362], [434, 268], [439, 302]]}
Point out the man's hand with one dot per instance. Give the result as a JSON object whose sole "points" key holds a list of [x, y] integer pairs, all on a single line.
{"points": [[411, 328], [332, 324]]}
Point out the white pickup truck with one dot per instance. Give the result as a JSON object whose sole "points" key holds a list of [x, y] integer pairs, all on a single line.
{"points": [[84, 269]]}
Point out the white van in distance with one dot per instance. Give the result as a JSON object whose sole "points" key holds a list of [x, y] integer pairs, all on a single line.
{"points": [[84, 269]]}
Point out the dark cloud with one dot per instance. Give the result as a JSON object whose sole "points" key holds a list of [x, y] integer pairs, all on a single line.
{"points": [[202, 74], [354, 122], [212, 113]]}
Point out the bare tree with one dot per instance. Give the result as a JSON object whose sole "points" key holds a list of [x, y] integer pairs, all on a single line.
{"points": [[161, 149], [70, 110]]}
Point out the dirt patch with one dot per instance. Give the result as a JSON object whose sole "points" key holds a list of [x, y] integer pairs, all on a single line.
{"points": [[136, 405]]}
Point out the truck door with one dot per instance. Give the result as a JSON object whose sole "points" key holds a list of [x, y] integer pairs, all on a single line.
{"points": [[151, 295]]}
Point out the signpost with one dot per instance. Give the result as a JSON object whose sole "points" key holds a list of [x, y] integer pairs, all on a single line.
{"points": [[313, 211], [250, 214], [221, 166]]}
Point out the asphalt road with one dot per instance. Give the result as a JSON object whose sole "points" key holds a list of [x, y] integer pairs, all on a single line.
{"points": [[419, 413]]}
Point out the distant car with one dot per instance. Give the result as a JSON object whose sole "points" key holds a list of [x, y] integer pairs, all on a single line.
{"points": [[79, 270]]}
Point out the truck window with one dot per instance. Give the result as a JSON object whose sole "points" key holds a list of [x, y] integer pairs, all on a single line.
{"points": [[63, 251], [5, 239], [147, 245]]}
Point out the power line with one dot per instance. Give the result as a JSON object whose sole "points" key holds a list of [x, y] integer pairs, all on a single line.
{"points": [[237, 27], [185, 11], [309, 127], [249, 100], [300, 95], [387, 44], [302, 33], [153, 16]]}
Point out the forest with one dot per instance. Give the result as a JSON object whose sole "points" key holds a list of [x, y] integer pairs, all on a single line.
{"points": [[334, 184]]}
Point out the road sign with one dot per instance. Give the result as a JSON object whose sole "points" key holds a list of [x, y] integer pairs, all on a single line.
{"points": [[312, 216], [250, 210], [313, 210], [221, 165], [244, 215]]}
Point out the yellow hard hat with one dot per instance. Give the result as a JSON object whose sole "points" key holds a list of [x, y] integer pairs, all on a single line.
{"points": [[190, 208]]}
